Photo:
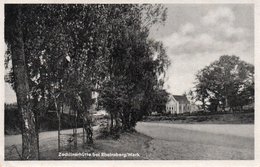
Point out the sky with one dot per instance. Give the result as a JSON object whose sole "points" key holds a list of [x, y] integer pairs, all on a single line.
{"points": [[196, 35]]}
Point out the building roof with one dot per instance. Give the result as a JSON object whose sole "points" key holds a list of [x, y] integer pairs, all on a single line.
{"points": [[181, 99]]}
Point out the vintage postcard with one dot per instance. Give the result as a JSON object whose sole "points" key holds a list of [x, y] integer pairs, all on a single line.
{"points": [[150, 82]]}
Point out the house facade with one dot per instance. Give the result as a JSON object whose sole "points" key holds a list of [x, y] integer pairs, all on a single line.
{"points": [[178, 104]]}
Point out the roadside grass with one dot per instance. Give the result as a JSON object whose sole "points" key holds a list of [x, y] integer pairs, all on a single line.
{"points": [[206, 118]]}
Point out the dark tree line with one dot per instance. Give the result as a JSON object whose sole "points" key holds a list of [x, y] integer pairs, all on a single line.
{"points": [[60, 54], [227, 84]]}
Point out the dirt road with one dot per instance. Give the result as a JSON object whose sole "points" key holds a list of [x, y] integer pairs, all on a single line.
{"points": [[187, 141], [48, 141], [17, 139]]}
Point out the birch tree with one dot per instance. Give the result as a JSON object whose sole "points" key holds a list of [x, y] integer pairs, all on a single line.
{"points": [[15, 41]]}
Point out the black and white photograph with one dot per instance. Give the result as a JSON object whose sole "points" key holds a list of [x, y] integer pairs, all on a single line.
{"points": [[129, 81]]}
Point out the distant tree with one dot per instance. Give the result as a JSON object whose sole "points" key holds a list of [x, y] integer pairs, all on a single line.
{"points": [[201, 93], [227, 82], [160, 99]]}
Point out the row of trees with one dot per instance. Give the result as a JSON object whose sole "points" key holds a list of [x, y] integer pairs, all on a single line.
{"points": [[62, 53], [227, 83]]}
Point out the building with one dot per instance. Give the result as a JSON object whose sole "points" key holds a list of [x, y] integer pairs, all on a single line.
{"points": [[178, 104]]}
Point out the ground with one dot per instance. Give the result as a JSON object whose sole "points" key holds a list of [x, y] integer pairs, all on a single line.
{"points": [[133, 143], [156, 141], [199, 142]]}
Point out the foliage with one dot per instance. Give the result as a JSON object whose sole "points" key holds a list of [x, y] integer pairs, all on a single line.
{"points": [[72, 50], [136, 66], [227, 82]]}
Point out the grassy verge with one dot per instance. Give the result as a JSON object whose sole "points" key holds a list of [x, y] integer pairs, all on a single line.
{"points": [[212, 118]]}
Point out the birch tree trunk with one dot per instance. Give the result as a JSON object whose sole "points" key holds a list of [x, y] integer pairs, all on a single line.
{"points": [[57, 109], [29, 139]]}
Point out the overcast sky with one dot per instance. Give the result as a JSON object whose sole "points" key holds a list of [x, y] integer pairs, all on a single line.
{"points": [[196, 35]]}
